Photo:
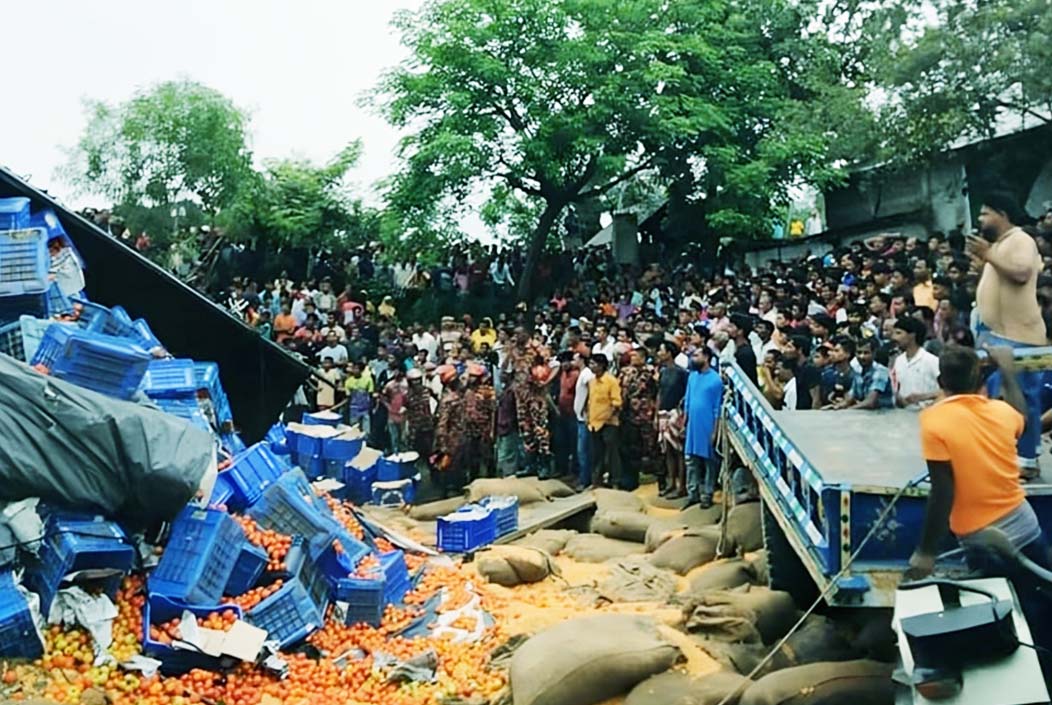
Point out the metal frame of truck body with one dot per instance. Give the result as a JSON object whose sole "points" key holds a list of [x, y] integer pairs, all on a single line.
{"points": [[826, 520]]}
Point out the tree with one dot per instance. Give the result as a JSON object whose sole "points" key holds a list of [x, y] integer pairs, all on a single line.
{"points": [[294, 203], [174, 141], [951, 70], [560, 102]]}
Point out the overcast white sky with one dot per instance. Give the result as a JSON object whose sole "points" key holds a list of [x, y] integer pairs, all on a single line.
{"points": [[299, 68]]}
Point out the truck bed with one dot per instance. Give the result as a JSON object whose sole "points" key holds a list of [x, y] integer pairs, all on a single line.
{"points": [[875, 448], [867, 448]]}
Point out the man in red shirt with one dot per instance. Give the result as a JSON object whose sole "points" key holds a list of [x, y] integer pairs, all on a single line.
{"points": [[565, 436]]}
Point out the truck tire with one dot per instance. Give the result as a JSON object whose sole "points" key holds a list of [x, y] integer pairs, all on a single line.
{"points": [[785, 570]]}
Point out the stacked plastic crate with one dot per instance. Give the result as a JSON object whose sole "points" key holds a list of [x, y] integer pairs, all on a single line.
{"points": [[189, 389], [24, 263]]}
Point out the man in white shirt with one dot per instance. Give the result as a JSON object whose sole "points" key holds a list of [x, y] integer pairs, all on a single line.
{"points": [[915, 374], [785, 370], [334, 350], [604, 343], [423, 340], [580, 408]]}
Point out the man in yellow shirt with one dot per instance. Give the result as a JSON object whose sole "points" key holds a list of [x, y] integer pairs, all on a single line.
{"points": [[604, 406], [484, 334]]}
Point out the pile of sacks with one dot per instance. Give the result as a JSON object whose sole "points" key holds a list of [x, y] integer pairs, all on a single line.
{"points": [[724, 611]]}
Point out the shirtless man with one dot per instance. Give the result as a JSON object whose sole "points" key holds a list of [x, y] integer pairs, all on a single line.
{"points": [[1009, 314]]}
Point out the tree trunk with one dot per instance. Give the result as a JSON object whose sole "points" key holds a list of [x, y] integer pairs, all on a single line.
{"points": [[538, 239]]}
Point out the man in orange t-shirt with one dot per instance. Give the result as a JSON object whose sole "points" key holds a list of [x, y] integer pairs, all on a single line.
{"points": [[969, 442]]}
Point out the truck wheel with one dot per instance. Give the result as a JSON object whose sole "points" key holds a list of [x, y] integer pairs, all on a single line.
{"points": [[785, 570]]}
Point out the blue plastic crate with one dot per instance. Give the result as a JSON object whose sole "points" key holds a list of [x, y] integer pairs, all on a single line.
{"points": [[401, 466], [466, 529], [289, 512], [119, 324], [312, 465], [174, 662], [207, 374], [251, 472], [47, 220], [276, 434], [335, 564], [222, 491], [298, 608], [24, 262], [362, 600], [170, 378], [14, 213], [98, 362], [359, 483], [251, 561], [58, 304], [394, 493], [13, 307], [19, 636], [145, 334], [20, 339], [306, 445], [233, 444], [342, 447], [506, 510], [322, 418], [75, 544], [396, 576], [199, 557]]}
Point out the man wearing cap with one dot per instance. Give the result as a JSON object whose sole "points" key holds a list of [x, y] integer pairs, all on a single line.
{"points": [[480, 405], [450, 434], [420, 403]]}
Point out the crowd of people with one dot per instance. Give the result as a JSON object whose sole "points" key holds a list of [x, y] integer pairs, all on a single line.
{"points": [[618, 373]]}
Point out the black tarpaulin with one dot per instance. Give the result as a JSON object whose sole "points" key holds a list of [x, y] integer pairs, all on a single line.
{"points": [[76, 448], [258, 376]]}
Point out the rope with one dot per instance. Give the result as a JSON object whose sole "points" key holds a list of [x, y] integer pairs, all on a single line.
{"points": [[736, 693]]}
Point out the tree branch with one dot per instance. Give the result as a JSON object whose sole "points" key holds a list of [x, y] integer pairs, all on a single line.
{"points": [[600, 190], [1026, 110]]}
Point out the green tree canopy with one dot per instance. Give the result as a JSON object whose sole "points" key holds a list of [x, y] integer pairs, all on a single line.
{"points": [[559, 101], [946, 70], [295, 203], [173, 141]]}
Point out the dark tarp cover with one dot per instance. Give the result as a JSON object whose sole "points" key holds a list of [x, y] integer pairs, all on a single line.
{"points": [[258, 376], [75, 448]]}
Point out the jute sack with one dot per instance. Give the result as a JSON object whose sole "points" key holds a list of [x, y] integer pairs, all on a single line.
{"points": [[675, 688], [722, 575], [588, 660], [737, 657], [551, 541], [816, 641], [506, 487], [553, 489], [607, 500], [695, 547], [854, 682], [617, 524], [772, 611], [434, 510], [593, 548], [660, 531], [744, 529], [514, 565], [633, 579], [694, 516]]}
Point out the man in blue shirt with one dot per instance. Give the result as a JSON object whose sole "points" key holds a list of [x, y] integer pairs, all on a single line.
{"points": [[871, 389], [702, 407]]}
